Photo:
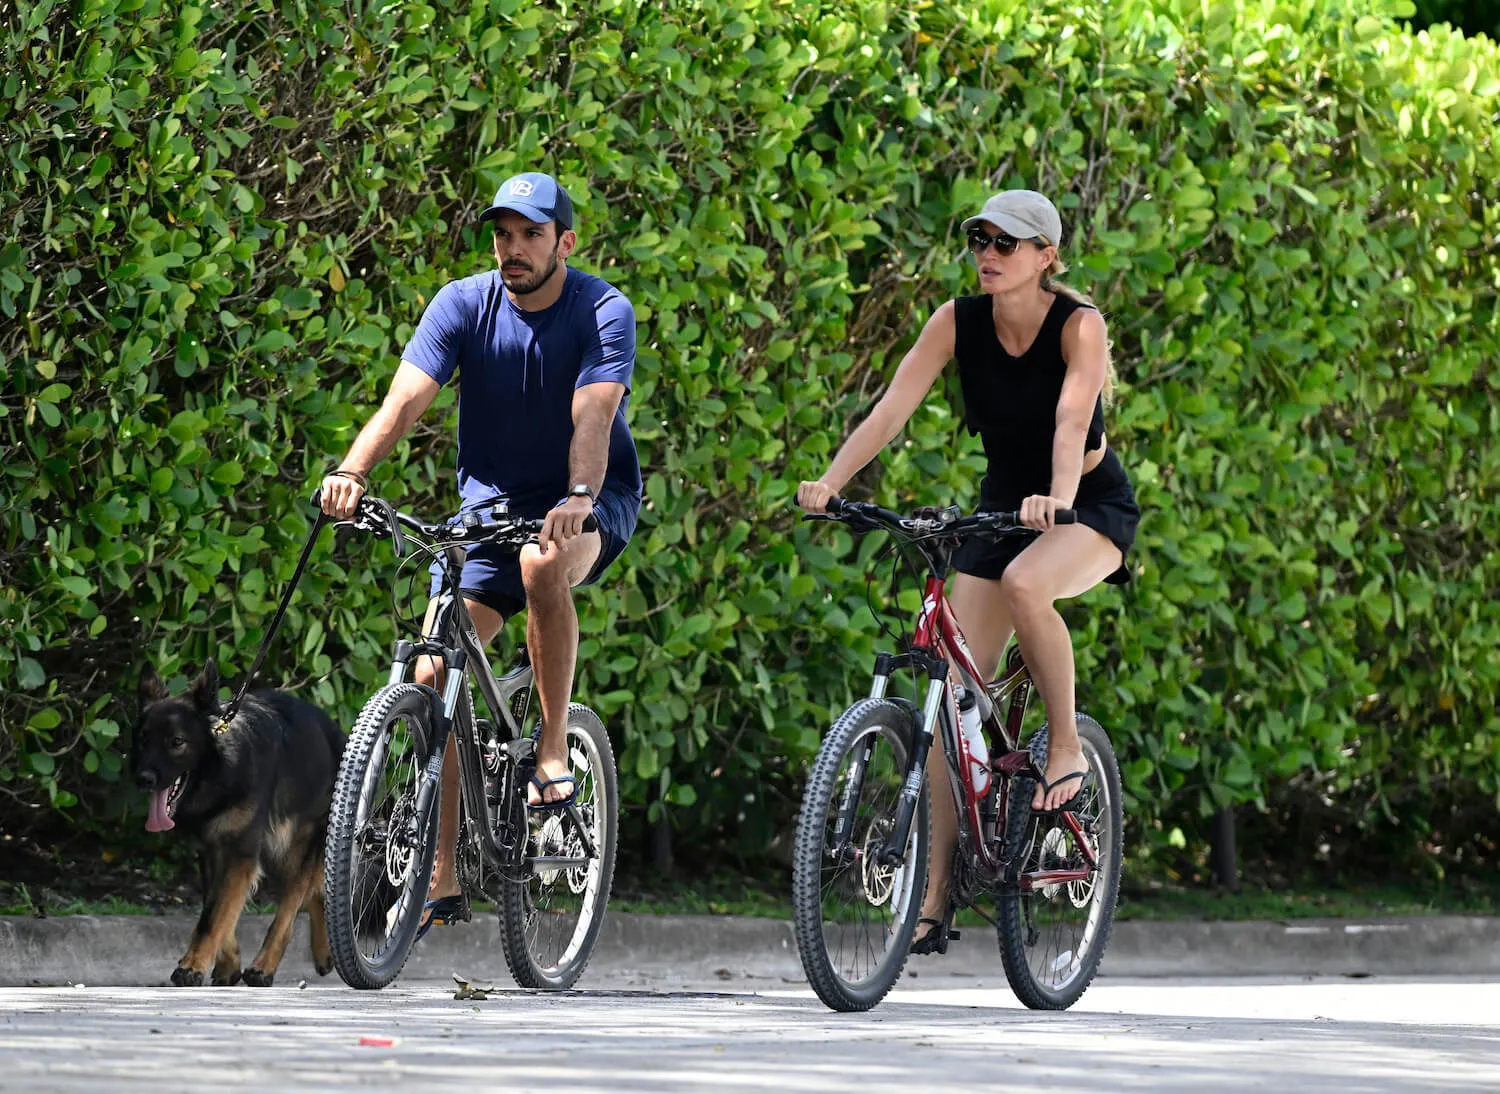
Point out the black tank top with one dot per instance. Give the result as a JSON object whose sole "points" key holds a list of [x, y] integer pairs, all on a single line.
{"points": [[1011, 402]]}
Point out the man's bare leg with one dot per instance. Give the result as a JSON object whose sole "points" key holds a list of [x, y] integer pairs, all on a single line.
{"points": [[487, 624], [552, 638]]}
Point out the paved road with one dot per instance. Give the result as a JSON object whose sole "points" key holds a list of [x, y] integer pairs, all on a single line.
{"points": [[939, 1030]]}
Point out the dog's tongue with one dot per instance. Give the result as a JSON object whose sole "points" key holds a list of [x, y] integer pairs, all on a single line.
{"points": [[159, 820]]}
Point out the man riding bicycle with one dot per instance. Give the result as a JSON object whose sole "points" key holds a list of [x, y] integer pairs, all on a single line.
{"points": [[545, 355]]}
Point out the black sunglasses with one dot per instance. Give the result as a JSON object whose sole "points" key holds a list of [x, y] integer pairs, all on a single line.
{"points": [[980, 241]]}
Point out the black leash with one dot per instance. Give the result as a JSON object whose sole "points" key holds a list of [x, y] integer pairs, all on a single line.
{"points": [[265, 644]]}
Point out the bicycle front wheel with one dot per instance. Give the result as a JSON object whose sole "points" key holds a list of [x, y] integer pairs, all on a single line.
{"points": [[379, 852], [552, 905], [854, 916], [1052, 937]]}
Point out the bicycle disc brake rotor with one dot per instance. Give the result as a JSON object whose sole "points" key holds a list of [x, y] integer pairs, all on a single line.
{"points": [[880, 882], [1057, 854], [400, 845]]}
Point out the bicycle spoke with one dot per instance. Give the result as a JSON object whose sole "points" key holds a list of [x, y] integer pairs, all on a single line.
{"points": [[1053, 935], [854, 914], [551, 912], [856, 924]]}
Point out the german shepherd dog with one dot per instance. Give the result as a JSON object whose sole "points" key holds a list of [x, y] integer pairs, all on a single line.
{"points": [[256, 799]]}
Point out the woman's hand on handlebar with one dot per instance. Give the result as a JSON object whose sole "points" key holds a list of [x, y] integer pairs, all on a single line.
{"points": [[341, 492], [814, 496], [1037, 511]]}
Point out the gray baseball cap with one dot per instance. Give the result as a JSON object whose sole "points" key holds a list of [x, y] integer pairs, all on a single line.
{"points": [[1024, 214]]}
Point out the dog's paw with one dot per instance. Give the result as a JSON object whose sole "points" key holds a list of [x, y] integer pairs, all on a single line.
{"points": [[257, 979], [323, 968], [226, 978], [184, 977]]}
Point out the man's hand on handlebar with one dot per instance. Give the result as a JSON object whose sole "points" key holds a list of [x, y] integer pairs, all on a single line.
{"points": [[340, 495], [564, 522], [814, 496]]}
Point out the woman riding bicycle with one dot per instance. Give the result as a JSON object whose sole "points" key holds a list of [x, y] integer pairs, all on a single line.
{"points": [[1034, 367]]}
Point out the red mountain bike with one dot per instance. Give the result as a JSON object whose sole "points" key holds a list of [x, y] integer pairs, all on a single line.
{"points": [[860, 863]]}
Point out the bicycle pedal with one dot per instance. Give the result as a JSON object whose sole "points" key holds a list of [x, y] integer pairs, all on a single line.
{"points": [[953, 934]]}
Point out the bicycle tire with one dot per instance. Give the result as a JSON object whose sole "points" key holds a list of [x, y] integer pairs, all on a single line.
{"points": [[1039, 839], [357, 883], [814, 874], [532, 954]]}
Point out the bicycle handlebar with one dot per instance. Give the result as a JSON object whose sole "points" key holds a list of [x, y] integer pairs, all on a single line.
{"points": [[375, 515], [941, 522]]}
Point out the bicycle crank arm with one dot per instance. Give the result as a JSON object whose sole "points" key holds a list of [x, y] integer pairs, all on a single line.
{"points": [[539, 864], [1029, 883]]}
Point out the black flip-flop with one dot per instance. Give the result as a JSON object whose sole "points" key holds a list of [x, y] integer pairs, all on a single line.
{"points": [[937, 939], [1067, 805], [445, 910], [541, 804]]}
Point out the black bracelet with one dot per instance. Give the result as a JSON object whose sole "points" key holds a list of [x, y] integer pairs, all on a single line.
{"points": [[364, 483]]}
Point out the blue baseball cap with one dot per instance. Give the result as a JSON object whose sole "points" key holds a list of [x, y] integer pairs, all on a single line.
{"points": [[536, 196]]}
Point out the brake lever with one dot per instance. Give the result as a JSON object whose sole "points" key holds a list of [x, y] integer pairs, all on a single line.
{"points": [[374, 513]]}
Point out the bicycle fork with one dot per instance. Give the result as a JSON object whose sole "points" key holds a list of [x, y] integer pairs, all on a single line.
{"points": [[893, 850]]}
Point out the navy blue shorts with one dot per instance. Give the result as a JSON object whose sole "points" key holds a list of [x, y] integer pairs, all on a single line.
{"points": [[492, 573]]}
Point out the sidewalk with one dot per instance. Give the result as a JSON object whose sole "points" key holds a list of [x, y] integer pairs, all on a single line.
{"points": [[143, 950]]}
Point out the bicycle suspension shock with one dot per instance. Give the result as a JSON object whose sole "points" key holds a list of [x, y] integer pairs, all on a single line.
{"points": [[894, 850]]}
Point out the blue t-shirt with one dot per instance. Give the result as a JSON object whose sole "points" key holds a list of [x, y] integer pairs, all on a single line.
{"points": [[519, 371]]}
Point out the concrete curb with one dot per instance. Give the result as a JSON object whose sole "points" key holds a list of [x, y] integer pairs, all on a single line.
{"points": [[143, 950]]}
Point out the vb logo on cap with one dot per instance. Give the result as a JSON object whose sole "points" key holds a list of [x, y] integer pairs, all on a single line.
{"points": [[537, 197]]}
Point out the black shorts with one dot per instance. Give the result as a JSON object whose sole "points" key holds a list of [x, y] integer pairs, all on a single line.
{"points": [[1105, 503]]}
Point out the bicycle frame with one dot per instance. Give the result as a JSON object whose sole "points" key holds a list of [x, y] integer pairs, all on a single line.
{"points": [[939, 648], [452, 715]]}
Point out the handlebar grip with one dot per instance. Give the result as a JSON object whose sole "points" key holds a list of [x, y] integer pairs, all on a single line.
{"points": [[1060, 516], [835, 506], [317, 498]]}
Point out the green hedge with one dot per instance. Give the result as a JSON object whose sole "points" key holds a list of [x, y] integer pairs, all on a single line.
{"points": [[224, 219]]}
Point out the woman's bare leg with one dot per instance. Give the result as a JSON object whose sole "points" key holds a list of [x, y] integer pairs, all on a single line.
{"points": [[1064, 562]]}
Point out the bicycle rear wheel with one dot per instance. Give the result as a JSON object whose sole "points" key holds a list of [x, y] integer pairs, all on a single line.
{"points": [[379, 854], [1053, 937], [550, 914], [854, 917]]}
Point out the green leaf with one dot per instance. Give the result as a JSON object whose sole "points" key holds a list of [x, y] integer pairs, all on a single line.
{"points": [[78, 586], [29, 674]]}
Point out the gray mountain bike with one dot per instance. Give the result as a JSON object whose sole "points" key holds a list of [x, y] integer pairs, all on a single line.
{"points": [[548, 871]]}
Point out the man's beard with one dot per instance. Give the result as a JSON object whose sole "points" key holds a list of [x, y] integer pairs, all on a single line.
{"points": [[526, 284]]}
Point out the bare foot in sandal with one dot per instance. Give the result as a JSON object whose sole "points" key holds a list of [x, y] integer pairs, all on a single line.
{"points": [[553, 785], [1062, 781]]}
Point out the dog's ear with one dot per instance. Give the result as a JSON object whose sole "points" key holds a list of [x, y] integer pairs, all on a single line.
{"points": [[151, 688], [206, 688]]}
